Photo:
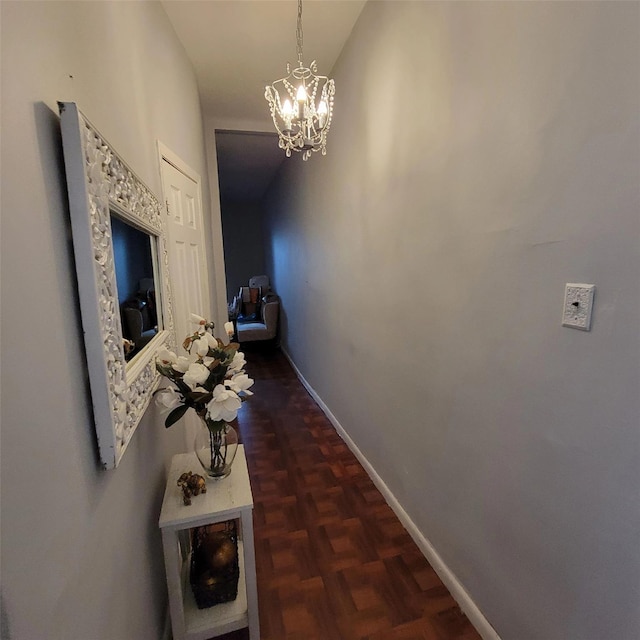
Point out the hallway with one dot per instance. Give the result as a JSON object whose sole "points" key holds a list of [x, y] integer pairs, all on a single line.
{"points": [[333, 561]]}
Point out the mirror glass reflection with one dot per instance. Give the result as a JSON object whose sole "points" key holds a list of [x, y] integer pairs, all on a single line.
{"points": [[133, 254]]}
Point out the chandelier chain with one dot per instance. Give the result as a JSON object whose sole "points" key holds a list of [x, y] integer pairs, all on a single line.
{"points": [[299, 33]]}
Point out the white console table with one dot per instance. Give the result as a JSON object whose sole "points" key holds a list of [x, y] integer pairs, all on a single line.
{"points": [[226, 499]]}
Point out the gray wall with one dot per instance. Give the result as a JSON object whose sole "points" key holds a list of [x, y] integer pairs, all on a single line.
{"points": [[483, 155], [81, 552], [243, 243]]}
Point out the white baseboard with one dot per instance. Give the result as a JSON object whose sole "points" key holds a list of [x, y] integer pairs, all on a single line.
{"points": [[455, 587]]}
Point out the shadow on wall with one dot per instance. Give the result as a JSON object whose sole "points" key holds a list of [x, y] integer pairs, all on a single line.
{"points": [[243, 240], [51, 156], [5, 633]]}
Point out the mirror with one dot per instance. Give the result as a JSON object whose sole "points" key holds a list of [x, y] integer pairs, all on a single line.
{"points": [[133, 254], [119, 246]]}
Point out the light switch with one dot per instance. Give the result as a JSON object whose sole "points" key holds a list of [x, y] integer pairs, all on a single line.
{"points": [[578, 305]]}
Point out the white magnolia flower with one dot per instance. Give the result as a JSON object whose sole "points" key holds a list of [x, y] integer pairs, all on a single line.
{"points": [[238, 363], [228, 327], [224, 404], [166, 357], [201, 322], [205, 342], [196, 374], [240, 383], [183, 363], [168, 398], [201, 347]]}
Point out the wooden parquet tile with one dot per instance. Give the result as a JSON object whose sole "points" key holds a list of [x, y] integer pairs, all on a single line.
{"points": [[333, 561]]}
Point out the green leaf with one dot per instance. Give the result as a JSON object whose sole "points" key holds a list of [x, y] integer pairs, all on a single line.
{"points": [[165, 371], [175, 415], [219, 371]]}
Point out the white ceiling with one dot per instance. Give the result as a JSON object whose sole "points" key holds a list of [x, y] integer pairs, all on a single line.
{"points": [[237, 47]]}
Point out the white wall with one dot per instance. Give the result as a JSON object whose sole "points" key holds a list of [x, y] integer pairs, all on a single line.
{"points": [[483, 155], [81, 552]]}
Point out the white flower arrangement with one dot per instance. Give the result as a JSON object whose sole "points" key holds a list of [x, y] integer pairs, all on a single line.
{"points": [[211, 380]]}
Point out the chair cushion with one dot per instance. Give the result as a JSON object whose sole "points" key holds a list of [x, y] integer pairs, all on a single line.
{"points": [[251, 331]]}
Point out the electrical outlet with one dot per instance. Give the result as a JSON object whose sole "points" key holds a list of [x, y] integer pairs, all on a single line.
{"points": [[578, 305]]}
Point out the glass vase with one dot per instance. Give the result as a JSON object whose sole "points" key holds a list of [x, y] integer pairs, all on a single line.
{"points": [[215, 445]]}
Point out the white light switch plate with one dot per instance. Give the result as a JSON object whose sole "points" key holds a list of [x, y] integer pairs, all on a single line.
{"points": [[578, 305]]}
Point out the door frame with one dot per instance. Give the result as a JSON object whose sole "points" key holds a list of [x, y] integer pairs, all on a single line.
{"points": [[164, 153]]}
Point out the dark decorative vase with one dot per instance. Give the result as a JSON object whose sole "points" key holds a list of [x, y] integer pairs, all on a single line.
{"points": [[216, 445]]}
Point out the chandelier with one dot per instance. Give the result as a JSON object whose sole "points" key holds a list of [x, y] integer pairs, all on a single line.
{"points": [[301, 105]]}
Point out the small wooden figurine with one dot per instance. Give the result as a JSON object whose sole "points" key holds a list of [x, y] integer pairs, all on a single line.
{"points": [[192, 485]]}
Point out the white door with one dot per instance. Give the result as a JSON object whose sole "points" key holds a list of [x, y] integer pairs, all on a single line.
{"points": [[185, 245], [187, 260]]}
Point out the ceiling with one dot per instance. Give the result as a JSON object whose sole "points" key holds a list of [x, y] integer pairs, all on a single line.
{"points": [[237, 47]]}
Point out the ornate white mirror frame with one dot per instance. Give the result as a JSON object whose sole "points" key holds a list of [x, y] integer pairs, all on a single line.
{"points": [[99, 183]]}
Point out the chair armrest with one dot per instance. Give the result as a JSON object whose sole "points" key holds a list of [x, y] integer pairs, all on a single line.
{"points": [[270, 316]]}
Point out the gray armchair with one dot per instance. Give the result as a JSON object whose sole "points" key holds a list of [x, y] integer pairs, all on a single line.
{"points": [[266, 327], [138, 324]]}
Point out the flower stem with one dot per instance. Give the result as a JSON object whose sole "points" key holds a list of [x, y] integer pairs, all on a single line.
{"points": [[218, 450]]}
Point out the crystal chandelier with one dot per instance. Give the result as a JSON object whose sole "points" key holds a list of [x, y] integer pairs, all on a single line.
{"points": [[301, 105]]}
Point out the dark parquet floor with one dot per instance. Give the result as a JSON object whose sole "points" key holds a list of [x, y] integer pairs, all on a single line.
{"points": [[333, 561]]}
